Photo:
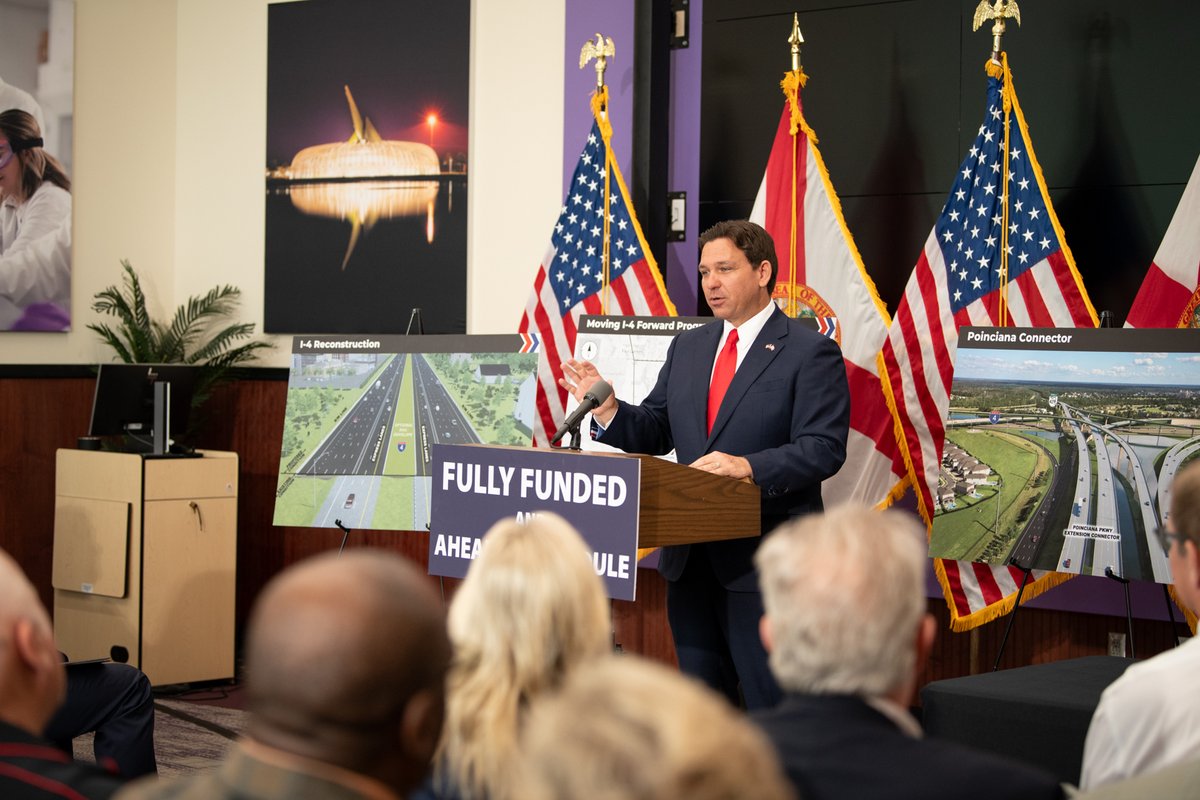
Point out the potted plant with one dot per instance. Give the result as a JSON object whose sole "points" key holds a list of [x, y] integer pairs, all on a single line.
{"points": [[199, 333]]}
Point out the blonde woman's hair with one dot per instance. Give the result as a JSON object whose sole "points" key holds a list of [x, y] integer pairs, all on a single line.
{"points": [[624, 728], [531, 609]]}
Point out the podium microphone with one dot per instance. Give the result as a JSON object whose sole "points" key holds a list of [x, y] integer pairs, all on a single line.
{"points": [[595, 398]]}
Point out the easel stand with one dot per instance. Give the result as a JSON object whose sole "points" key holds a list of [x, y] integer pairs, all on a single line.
{"points": [[1012, 615], [414, 321], [1109, 573], [1170, 613], [345, 534]]}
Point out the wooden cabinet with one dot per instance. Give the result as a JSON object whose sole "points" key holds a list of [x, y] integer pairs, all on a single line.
{"points": [[145, 553]]}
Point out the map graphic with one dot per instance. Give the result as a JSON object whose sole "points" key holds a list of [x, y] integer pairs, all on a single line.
{"points": [[629, 352]]}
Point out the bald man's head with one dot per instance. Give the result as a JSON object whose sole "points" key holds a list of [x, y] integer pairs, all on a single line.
{"points": [[346, 659], [32, 680]]}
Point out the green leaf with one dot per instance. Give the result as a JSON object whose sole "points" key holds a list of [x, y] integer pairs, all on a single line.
{"points": [[196, 334]]}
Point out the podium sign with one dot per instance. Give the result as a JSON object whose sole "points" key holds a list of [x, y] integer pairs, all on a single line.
{"points": [[474, 487]]}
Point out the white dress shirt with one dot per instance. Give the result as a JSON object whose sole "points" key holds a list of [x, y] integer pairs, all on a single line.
{"points": [[1147, 719], [748, 331]]}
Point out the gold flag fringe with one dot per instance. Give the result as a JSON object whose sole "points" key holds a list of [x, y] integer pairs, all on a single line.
{"points": [[791, 85], [600, 112], [1051, 579]]}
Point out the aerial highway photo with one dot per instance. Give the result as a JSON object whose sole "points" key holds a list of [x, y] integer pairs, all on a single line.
{"points": [[1060, 458]]}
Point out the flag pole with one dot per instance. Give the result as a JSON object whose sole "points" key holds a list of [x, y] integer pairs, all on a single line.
{"points": [[791, 89], [601, 50], [997, 67]]}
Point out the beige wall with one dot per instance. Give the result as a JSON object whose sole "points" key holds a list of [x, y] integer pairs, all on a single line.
{"points": [[170, 124]]}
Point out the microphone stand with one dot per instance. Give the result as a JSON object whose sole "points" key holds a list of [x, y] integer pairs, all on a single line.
{"points": [[1109, 572], [1012, 615], [345, 532]]}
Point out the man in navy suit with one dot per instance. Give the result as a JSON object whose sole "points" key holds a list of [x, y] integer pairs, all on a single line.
{"points": [[755, 395], [849, 635]]}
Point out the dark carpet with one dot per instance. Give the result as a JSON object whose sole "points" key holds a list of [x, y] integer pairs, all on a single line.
{"points": [[188, 737]]}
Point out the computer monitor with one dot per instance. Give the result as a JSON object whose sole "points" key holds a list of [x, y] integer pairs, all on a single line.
{"points": [[125, 403]]}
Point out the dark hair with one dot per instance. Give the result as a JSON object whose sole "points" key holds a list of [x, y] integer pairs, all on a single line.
{"points": [[751, 238], [37, 166]]}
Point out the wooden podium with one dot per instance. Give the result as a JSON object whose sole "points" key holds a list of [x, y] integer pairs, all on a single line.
{"points": [[684, 505], [620, 503], [676, 504]]}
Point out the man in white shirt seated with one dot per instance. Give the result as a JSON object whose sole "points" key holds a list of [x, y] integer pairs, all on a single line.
{"points": [[1149, 718]]}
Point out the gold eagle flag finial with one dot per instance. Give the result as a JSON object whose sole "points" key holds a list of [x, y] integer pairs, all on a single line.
{"points": [[998, 10], [602, 50]]}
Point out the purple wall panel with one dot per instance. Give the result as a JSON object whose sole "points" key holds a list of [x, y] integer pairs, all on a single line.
{"points": [[616, 19], [584, 20]]}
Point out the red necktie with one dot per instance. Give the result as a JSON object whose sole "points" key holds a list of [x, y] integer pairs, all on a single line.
{"points": [[722, 375]]}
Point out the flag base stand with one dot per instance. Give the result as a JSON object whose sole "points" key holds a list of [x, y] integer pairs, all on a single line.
{"points": [[1012, 615]]}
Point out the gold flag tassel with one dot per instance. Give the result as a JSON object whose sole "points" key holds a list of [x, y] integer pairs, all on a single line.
{"points": [[1001, 71], [602, 49], [600, 112], [791, 84]]}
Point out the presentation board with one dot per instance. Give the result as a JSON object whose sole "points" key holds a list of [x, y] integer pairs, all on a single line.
{"points": [[1061, 445], [629, 352], [363, 414]]}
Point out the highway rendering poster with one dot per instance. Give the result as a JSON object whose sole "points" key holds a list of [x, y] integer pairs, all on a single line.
{"points": [[1061, 445], [364, 412]]}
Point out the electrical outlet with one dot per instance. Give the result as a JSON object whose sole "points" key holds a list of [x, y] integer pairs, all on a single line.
{"points": [[1116, 644]]}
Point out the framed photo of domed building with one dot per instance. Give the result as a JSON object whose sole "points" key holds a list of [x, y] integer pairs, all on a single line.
{"points": [[366, 173]]}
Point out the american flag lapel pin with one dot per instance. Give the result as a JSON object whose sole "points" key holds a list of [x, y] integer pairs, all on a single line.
{"points": [[770, 347]]}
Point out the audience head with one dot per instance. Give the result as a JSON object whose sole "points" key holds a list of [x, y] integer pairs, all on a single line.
{"points": [[529, 611], [24, 162], [346, 664], [32, 680], [1183, 535], [623, 728], [844, 594]]}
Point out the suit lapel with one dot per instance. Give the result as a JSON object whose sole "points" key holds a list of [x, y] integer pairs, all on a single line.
{"points": [[766, 347]]}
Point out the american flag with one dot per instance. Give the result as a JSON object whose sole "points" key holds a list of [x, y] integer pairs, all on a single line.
{"points": [[821, 274], [570, 279], [958, 281], [1170, 291]]}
